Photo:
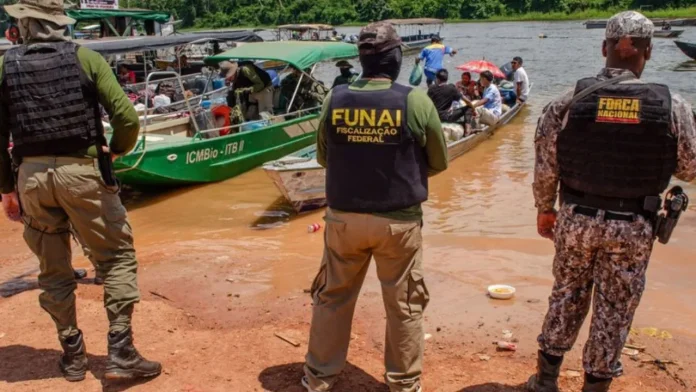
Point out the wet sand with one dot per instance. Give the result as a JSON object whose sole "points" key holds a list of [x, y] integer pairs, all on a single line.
{"points": [[225, 266], [228, 264]]}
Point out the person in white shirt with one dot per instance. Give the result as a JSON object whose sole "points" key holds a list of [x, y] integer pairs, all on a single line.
{"points": [[521, 79]]}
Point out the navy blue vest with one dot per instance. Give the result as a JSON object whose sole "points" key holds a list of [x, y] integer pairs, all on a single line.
{"points": [[374, 163], [618, 141]]}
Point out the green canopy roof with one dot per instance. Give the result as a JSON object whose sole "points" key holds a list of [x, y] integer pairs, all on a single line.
{"points": [[299, 54], [89, 14]]}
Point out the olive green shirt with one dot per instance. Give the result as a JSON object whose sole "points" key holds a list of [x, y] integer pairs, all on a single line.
{"points": [[122, 114], [250, 73], [423, 121]]}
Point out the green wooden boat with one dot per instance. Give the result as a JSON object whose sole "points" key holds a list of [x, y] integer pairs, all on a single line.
{"points": [[173, 151]]}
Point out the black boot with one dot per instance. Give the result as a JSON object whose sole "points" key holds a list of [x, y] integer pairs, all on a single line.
{"points": [[548, 370], [73, 362], [595, 384], [125, 362]]}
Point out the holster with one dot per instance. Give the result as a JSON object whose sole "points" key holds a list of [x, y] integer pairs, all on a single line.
{"points": [[106, 165], [16, 162], [676, 202]]}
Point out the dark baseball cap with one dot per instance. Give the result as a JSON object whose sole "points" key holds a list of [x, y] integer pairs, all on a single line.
{"points": [[378, 37]]}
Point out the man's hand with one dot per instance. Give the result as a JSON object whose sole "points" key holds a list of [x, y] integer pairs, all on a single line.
{"points": [[454, 51], [546, 221], [10, 204], [417, 60], [107, 150]]}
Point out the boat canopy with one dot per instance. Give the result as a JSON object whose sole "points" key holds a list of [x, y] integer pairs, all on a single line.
{"points": [[299, 54], [417, 21], [121, 46], [306, 27], [137, 14]]}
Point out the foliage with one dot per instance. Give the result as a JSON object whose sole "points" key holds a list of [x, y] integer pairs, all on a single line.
{"points": [[227, 13]]}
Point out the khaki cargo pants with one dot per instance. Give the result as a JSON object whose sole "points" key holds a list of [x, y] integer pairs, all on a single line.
{"points": [[58, 193], [351, 240]]}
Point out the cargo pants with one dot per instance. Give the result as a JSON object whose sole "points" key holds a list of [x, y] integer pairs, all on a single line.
{"points": [[604, 259], [60, 193], [351, 240]]}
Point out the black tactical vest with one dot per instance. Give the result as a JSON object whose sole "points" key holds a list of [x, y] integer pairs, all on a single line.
{"points": [[618, 141], [374, 163], [241, 81], [52, 104]]}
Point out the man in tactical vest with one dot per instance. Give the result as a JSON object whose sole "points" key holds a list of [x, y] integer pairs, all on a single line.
{"points": [[379, 142], [613, 145], [50, 91], [247, 78]]}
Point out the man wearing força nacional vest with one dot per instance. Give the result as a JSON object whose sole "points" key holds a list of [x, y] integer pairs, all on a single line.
{"points": [[379, 142], [612, 146], [63, 180]]}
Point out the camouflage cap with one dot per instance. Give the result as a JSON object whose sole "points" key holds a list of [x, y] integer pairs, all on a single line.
{"points": [[378, 37], [629, 24]]}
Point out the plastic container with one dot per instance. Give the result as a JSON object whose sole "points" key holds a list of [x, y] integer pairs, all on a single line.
{"points": [[313, 228], [206, 104], [501, 291], [218, 83], [254, 126]]}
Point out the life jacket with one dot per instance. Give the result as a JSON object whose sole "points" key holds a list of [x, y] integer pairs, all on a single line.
{"points": [[224, 112], [53, 106], [617, 142], [374, 162], [241, 81]]}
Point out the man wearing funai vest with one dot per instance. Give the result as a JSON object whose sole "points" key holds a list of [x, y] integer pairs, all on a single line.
{"points": [[379, 142], [612, 145], [50, 91]]}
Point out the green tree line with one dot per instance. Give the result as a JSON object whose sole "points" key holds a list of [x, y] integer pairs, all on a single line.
{"points": [[226, 13]]}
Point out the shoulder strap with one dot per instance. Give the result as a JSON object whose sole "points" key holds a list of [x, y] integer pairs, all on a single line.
{"points": [[597, 86]]}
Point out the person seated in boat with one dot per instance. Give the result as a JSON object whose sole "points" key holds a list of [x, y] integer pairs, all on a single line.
{"points": [[490, 107], [443, 94], [666, 26], [310, 94], [347, 75], [433, 55], [521, 80], [472, 91], [463, 83], [315, 36], [334, 36], [125, 75], [252, 84]]}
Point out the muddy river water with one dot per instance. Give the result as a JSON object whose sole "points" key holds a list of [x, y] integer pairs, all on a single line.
{"points": [[480, 219]]}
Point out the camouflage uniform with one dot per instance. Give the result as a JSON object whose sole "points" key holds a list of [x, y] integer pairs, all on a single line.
{"points": [[610, 256]]}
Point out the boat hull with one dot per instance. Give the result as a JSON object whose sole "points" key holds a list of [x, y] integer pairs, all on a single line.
{"points": [[687, 48], [668, 33], [178, 160], [302, 181]]}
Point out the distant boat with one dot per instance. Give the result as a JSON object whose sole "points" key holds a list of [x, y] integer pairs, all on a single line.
{"points": [[668, 33], [407, 27], [687, 48], [595, 24]]}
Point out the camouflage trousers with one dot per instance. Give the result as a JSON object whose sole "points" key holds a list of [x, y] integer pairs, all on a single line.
{"points": [[611, 257]]}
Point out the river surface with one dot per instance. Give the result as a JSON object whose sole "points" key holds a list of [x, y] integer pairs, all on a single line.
{"points": [[480, 219]]}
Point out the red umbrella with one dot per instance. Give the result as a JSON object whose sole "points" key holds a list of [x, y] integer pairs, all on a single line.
{"points": [[479, 66]]}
